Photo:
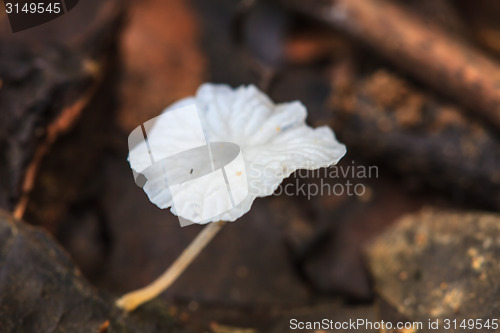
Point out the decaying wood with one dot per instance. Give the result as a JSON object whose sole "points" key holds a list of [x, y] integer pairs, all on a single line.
{"points": [[428, 52], [48, 74], [413, 133]]}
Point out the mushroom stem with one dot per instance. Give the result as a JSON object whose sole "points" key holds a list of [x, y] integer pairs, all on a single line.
{"points": [[132, 300]]}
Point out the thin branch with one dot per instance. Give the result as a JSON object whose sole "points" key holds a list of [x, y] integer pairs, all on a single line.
{"points": [[427, 51]]}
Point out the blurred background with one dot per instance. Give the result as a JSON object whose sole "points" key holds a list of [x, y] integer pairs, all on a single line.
{"points": [[411, 87]]}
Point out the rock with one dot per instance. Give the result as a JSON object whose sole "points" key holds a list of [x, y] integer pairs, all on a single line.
{"points": [[439, 265], [41, 290]]}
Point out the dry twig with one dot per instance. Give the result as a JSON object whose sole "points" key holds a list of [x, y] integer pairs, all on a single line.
{"points": [[436, 57]]}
